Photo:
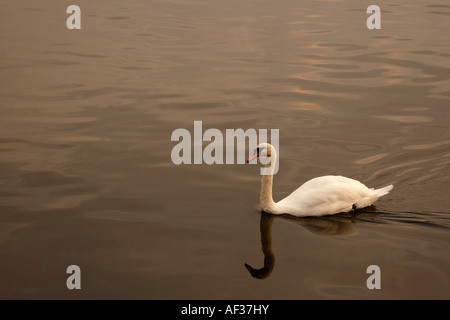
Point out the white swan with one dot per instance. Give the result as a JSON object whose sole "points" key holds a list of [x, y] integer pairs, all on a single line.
{"points": [[317, 197]]}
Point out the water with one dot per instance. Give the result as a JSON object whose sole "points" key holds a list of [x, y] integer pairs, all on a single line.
{"points": [[86, 176]]}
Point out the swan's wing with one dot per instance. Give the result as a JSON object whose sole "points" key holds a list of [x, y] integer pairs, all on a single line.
{"points": [[324, 195], [327, 180]]}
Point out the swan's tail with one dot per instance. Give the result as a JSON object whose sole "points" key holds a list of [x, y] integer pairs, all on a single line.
{"points": [[374, 195], [381, 192]]}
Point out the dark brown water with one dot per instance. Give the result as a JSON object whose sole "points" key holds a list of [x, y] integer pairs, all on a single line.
{"points": [[86, 176]]}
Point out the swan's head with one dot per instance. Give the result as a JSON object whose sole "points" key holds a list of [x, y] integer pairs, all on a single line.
{"points": [[263, 149]]}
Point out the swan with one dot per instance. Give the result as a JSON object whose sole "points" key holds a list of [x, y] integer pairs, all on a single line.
{"points": [[319, 196]]}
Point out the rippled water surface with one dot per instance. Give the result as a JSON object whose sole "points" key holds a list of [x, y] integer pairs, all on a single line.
{"points": [[86, 176]]}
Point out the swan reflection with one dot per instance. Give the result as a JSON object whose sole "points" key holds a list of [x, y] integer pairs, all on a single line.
{"points": [[332, 225], [265, 227]]}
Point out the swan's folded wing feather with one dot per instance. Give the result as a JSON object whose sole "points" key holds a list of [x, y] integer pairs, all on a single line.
{"points": [[319, 198]]}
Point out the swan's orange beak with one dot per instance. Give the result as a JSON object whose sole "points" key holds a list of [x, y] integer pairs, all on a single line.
{"points": [[253, 156]]}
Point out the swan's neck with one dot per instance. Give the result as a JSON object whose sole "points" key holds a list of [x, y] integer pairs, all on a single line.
{"points": [[266, 200]]}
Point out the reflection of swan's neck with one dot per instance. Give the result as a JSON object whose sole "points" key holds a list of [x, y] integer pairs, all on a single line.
{"points": [[266, 243], [266, 200]]}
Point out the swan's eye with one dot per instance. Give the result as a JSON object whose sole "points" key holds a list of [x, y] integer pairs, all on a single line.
{"points": [[258, 150]]}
